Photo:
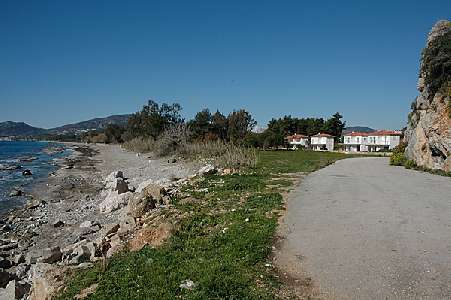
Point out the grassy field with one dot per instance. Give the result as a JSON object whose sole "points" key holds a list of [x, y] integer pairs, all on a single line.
{"points": [[222, 244]]}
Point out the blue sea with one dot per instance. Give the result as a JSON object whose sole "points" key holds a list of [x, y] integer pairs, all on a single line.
{"points": [[23, 155]]}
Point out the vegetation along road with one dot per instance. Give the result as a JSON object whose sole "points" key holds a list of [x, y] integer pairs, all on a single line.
{"points": [[362, 229]]}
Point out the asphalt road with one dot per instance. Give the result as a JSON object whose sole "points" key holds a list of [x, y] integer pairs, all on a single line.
{"points": [[362, 229]]}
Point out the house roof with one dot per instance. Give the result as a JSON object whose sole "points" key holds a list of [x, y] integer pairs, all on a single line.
{"points": [[320, 134], [356, 134], [296, 136], [375, 133], [385, 132]]}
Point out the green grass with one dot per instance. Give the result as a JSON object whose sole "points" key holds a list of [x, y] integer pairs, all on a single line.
{"points": [[222, 245]]}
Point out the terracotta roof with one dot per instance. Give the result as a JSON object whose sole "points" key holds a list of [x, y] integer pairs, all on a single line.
{"points": [[385, 132], [296, 136], [356, 134], [322, 135]]}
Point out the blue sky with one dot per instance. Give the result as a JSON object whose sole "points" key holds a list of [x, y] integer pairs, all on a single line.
{"points": [[67, 61]]}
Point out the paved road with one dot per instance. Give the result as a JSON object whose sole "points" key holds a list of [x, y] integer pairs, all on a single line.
{"points": [[365, 230]]}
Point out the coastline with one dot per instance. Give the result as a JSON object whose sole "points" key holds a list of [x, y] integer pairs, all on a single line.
{"points": [[63, 211]]}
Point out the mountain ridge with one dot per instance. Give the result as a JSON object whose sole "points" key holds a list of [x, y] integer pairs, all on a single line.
{"points": [[22, 129]]}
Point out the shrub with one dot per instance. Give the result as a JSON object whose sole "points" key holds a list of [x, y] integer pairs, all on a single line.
{"points": [[398, 157], [436, 62], [410, 164]]}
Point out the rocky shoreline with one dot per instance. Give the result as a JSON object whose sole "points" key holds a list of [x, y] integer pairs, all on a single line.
{"points": [[103, 199]]}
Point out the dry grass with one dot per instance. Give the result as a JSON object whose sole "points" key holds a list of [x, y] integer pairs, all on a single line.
{"points": [[140, 144], [226, 155]]}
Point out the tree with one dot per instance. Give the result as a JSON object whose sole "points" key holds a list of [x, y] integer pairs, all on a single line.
{"points": [[200, 126], [113, 133], [334, 125], [240, 123], [219, 125], [153, 119]]}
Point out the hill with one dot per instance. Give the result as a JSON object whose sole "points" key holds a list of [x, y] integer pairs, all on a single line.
{"points": [[10, 128], [93, 124], [358, 129]]}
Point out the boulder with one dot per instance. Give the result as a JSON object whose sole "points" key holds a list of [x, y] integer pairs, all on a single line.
{"points": [[51, 255], [15, 193], [77, 253], [5, 263], [113, 201], [139, 204], [87, 224], [153, 236], [207, 170], [27, 172], [58, 223]]}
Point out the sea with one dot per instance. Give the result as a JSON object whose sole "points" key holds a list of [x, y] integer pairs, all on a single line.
{"points": [[17, 156]]}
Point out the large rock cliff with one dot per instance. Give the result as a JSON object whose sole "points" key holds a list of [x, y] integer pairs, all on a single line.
{"points": [[428, 133]]}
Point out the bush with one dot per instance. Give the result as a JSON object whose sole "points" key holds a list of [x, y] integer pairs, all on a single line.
{"points": [[410, 164], [398, 157]]}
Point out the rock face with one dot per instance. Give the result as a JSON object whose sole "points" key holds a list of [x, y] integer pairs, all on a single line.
{"points": [[428, 134]]}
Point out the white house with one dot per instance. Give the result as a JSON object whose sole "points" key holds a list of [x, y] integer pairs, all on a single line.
{"points": [[298, 140], [381, 140], [322, 141]]}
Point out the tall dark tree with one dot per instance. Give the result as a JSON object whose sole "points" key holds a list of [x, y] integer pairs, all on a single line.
{"points": [[240, 123], [201, 125], [219, 125], [334, 125]]}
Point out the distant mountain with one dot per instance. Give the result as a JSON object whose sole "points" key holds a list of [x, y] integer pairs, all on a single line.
{"points": [[21, 129], [10, 128], [93, 124], [358, 129]]}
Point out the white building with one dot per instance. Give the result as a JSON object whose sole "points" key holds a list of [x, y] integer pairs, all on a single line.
{"points": [[298, 140], [322, 141], [382, 140]]}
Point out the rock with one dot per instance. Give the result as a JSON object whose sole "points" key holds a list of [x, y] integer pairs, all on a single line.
{"points": [[115, 245], [428, 133], [32, 257], [120, 186], [87, 224], [77, 253], [139, 204], [111, 229], [15, 193], [9, 292], [51, 255], [19, 258], [172, 160], [22, 289], [150, 236], [187, 284], [5, 263], [58, 223], [207, 170], [45, 281], [154, 191], [20, 271], [27, 172], [5, 277], [113, 201]]}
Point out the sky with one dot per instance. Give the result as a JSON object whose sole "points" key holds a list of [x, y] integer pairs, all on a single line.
{"points": [[67, 61]]}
